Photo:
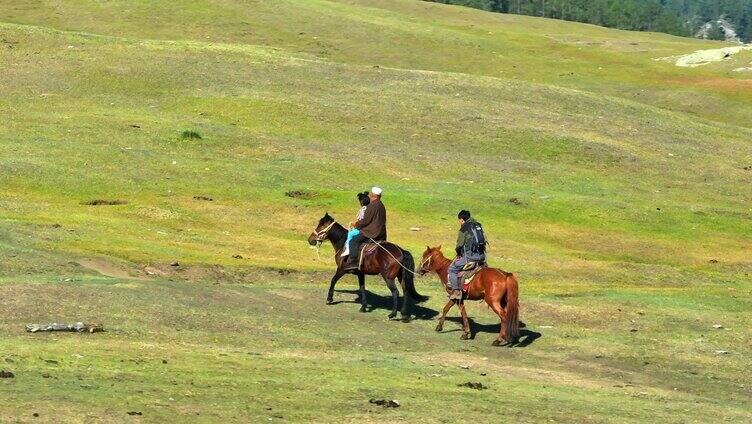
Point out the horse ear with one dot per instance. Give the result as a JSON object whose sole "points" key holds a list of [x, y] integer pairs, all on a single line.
{"points": [[428, 247], [438, 248]]}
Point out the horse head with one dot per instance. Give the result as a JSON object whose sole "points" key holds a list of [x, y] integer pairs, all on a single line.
{"points": [[320, 233], [430, 256]]}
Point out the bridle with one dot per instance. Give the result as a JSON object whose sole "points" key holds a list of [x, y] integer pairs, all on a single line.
{"points": [[426, 263], [321, 234], [320, 237]]}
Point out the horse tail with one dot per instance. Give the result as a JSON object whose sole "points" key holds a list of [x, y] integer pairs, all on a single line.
{"points": [[408, 278], [513, 306]]}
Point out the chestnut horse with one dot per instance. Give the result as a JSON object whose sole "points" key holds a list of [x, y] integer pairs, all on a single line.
{"points": [[498, 288], [390, 261]]}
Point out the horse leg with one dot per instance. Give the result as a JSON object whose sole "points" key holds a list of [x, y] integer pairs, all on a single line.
{"points": [[495, 303], [362, 288], [395, 295], [447, 307], [403, 311], [330, 296], [465, 322]]}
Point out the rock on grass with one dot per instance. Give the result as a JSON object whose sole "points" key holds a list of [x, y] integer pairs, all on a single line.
{"points": [[386, 403], [473, 385]]}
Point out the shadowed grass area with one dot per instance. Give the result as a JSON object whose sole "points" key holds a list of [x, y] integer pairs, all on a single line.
{"points": [[197, 351], [616, 186]]}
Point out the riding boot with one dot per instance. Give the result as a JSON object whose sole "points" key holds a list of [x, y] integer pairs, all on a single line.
{"points": [[351, 265]]}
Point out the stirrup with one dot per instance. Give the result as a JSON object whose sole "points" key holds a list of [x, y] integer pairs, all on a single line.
{"points": [[350, 267]]}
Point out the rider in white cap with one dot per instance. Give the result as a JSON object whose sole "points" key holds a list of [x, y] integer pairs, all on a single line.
{"points": [[372, 226]]}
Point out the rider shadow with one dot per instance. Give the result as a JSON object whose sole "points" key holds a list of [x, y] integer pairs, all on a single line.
{"points": [[376, 301], [527, 337]]}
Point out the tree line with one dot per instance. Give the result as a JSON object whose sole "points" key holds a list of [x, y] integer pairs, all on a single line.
{"points": [[678, 17]]}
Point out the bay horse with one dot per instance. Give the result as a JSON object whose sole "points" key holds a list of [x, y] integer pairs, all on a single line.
{"points": [[390, 261], [498, 288]]}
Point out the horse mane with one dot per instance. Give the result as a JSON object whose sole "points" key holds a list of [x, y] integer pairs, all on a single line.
{"points": [[439, 256], [337, 234]]}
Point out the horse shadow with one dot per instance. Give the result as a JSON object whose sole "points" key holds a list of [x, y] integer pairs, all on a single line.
{"points": [[527, 337], [376, 301]]}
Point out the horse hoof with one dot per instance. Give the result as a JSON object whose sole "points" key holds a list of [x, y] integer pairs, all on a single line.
{"points": [[439, 328], [406, 318], [329, 301], [496, 343], [465, 336], [392, 316], [362, 309]]}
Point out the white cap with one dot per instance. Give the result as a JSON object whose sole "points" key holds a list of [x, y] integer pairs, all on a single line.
{"points": [[376, 190]]}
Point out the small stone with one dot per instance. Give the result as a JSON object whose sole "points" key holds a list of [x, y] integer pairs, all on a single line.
{"points": [[414, 228], [6, 374], [718, 326], [633, 330], [465, 366], [164, 361], [174, 263], [135, 413], [35, 415], [722, 352]]}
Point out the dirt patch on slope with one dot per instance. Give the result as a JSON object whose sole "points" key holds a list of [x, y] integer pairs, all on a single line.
{"points": [[105, 268]]}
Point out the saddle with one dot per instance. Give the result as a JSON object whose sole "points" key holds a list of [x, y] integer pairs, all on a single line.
{"points": [[469, 271], [365, 250]]}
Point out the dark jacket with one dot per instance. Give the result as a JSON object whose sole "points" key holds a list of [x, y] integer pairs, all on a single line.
{"points": [[465, 241], [373, 224]]}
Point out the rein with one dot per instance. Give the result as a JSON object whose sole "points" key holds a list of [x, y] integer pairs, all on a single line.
{"points": [[395, 259], [321, 236]]}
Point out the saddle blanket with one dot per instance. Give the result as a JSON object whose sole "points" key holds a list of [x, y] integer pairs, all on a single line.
{"points": [[468, 272], [367, 249]]}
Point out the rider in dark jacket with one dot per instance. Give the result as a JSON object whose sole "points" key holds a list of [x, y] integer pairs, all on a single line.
{"points": [[372, 226], [471, 247]]}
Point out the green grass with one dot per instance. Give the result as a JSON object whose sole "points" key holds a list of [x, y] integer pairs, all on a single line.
{"points": [[630, 175]]}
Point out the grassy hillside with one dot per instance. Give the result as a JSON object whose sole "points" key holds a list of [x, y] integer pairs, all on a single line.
{"points": [[615, 185]]}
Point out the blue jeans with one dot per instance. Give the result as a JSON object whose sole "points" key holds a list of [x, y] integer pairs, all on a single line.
{"points": [[350, 234]]}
